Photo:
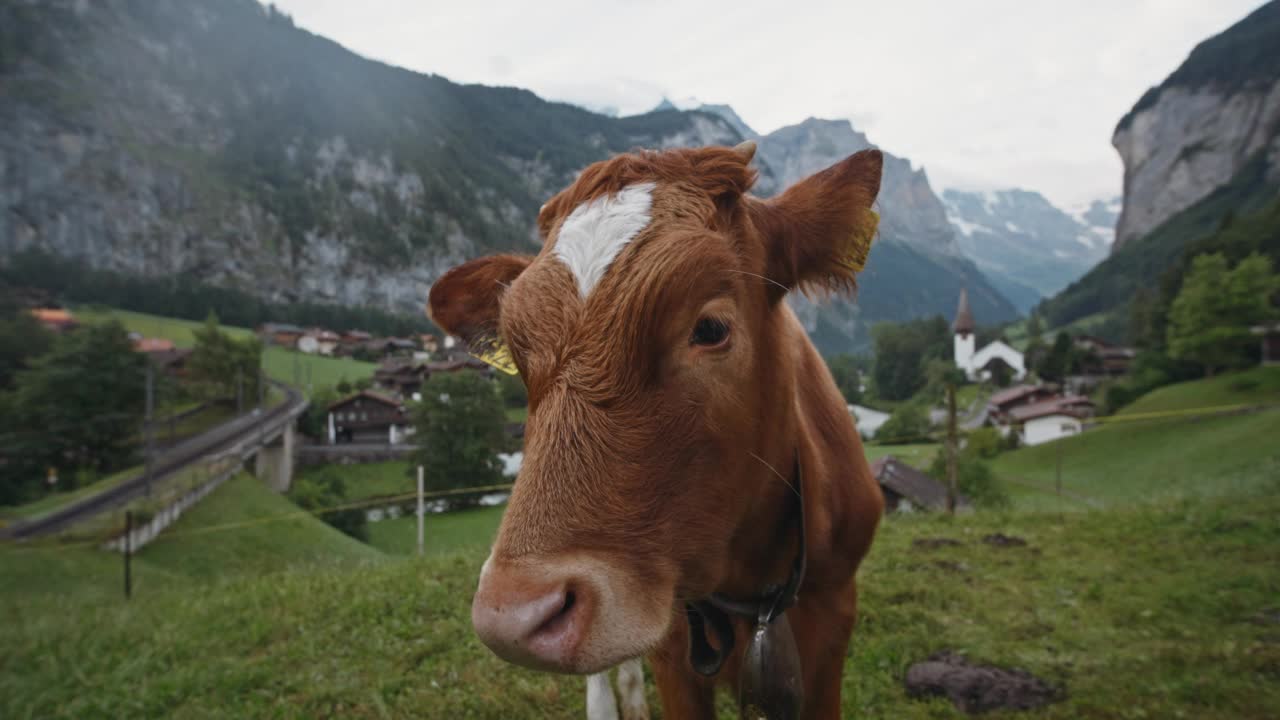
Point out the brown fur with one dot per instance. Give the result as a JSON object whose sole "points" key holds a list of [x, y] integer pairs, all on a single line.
{"points": [[670, 462]]}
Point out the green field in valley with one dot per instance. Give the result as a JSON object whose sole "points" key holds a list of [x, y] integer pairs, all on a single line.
{"points": [[279, 362], [917, 455], [469, 530], [369, 480], [1256, 386], [1159, 599], [1127, 461]]}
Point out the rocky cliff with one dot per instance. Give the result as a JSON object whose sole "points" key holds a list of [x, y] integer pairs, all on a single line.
{"points": [[216, 140], [1199, 128]]}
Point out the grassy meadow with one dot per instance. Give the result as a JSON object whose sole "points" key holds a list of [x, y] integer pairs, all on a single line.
{"points": [[1158, 597], [279, 362]]}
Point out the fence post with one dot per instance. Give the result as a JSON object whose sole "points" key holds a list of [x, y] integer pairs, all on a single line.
{"points": [[951, 449], [128, 550], [421, 512]]}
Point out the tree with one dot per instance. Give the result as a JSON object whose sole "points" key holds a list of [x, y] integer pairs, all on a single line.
{"points": [[846, 370], [907, 424], [221, 367], [1057, 363], [902, 352], [514, 393], [77, 409], [459, 425], [1210, 318], [22, 339], [974, 478], [322, 492], [315, 421]]}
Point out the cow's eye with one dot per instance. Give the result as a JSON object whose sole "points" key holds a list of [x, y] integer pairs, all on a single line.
{"points": [[709, 332]]}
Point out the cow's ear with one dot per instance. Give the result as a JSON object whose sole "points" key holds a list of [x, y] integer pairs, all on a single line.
{"points": [[464, 301], [817, 234]]}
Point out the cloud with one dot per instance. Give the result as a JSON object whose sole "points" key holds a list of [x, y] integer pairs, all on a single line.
{"points": [[1003, 92]]}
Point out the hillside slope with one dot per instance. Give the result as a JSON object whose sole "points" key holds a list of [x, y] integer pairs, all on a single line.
{"points": [[214, 141]]}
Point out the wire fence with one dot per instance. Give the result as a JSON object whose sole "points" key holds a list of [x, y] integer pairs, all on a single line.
{"points": [[68, 542]]}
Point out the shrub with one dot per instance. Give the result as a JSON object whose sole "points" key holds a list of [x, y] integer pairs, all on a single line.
{"points": [[907, 424], [324, 490]]}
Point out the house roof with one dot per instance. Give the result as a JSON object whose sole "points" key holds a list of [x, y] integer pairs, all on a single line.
{"points": [[172, 356], [1014, 394], [1073, 405], [356, 335], [457, 364], [912, 484], [281, 328], [964, 316], [53, 316], [369, 394], [152, 345]]}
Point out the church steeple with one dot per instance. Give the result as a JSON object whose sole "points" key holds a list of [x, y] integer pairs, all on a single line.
{"points": [[964, 324]]}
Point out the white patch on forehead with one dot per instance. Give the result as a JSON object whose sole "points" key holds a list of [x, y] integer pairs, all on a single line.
{"points": [[596, 231]]}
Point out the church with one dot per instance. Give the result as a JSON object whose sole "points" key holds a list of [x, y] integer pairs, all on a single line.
{"points": [[978, 365]]}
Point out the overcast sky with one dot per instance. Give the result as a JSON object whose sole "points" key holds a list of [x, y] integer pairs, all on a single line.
{"points": [[982, 93]]}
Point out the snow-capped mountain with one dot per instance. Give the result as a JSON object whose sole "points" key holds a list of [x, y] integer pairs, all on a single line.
{"points": [[1028, 247]]}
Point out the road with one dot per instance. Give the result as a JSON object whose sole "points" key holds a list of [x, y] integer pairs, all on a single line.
{"points": [[244, 432]]}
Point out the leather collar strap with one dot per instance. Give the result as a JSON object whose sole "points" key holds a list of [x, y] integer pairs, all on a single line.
{"points": [[714, 612]]}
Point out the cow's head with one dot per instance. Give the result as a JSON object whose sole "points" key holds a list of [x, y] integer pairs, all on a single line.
{"points": [[650, 335]]}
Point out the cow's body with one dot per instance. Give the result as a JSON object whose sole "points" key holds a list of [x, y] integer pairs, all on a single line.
{"points": [[672, 392]]}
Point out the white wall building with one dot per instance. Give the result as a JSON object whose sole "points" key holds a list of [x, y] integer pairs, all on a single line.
{"points": [[976, 364], [1050, 427], [868, 420]]}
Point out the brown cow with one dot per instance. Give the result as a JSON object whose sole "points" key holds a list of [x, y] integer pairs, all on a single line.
{"points": [[673, 395]]}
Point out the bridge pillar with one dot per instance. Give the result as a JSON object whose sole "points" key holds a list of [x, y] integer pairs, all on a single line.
{"points": [[274, 463]]}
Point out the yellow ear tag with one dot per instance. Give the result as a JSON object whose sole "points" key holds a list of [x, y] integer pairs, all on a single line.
{"points": [[860, 246], [496, 354]]}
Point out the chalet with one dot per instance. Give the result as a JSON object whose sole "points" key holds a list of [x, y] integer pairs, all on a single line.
{"points": [[430, 343], [906, 489], [1270, 337], [354, 338], [55, 320], [162, 353], [391, 347], [368, 417], [319, 342], [1102, 358], [282, 334], [401, 376], [1051, 419], [1001, 403], [455, 364]]}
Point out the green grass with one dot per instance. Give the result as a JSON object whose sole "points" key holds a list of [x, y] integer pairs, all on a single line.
{"points": [[518, 414], [1130, 462], [279, 363], [1256, 386], [444, 533], [1163, 629], [54, 501], [197, 548], [369, 480], [918, 455]]}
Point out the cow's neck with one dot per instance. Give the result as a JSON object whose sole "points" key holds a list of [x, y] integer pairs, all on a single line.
{"points": [[763, 549]]}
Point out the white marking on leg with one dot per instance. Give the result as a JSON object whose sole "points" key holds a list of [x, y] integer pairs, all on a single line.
{"points": [[600, 702], [631, 690], [596, 231]]}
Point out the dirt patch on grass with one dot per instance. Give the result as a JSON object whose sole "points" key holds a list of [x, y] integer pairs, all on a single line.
{"points": [[976, 688], [929, 543], [1002, 540]]}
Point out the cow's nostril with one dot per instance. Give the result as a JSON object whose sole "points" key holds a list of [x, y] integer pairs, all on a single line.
{"points": [[556, 623]]}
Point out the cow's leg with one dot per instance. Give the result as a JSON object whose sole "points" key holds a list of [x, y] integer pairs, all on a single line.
{"points": [[600, 702], [685, 694], [823, 625], [631, 690]]}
